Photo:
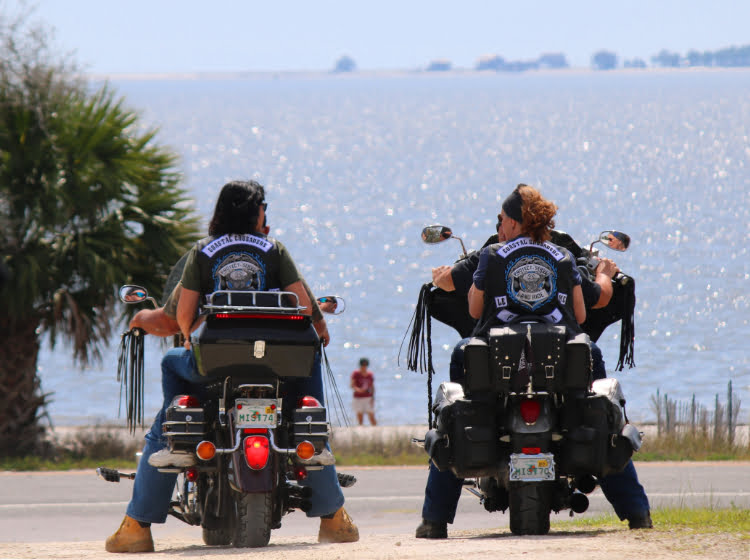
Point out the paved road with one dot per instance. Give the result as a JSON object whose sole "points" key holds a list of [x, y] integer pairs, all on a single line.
{"points": [[78, 506]]}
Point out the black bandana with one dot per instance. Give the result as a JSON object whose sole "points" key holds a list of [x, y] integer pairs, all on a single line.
{"points": [[512, 206]]}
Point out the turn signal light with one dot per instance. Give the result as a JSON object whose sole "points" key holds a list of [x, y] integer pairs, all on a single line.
{"points": [[305, 450], [205, 451], [256, 452], [308, 401], [530, 409]]}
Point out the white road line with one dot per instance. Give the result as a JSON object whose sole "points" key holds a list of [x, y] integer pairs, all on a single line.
{"points": [[598, 495]]}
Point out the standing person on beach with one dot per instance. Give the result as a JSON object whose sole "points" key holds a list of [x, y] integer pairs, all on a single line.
{"points": [[363, 383]]}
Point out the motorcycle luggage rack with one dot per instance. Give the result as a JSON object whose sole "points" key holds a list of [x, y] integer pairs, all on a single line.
{"points": [[215, 302]]}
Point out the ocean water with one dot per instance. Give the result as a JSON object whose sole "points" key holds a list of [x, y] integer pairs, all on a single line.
{"points": [[355, 166]]}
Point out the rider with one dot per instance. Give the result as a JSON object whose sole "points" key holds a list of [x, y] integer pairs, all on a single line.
{"points": [[152, 489], [443, 489]]}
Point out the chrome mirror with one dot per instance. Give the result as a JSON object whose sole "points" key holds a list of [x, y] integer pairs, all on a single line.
{"points": [[436, 234], [334, 305], [615, 240], [135, 294]]}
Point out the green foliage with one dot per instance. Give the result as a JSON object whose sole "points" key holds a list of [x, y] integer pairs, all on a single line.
{"points": [[88, 200]]}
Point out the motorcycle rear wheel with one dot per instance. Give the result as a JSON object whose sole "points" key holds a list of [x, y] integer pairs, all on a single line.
{"points": [[529, 508], [217, 537], [254, 519]]}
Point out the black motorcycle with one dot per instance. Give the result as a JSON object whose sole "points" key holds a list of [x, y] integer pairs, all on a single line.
{"points": [[527, 429], [251, 446]]}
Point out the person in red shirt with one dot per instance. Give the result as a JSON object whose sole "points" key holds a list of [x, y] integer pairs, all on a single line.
{"points": [[363, 383]]}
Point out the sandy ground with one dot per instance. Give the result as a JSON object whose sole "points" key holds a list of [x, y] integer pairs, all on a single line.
{"points": [[618, 544]]}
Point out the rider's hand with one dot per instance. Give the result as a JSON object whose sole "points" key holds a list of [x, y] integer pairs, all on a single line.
{"points": [[607, 267], [441, 277], [322, 329]]}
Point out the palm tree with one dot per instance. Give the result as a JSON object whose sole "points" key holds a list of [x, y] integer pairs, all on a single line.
{"points": [[87, 202]]}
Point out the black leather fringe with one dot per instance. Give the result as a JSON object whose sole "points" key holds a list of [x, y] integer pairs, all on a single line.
{"points": [[419, 351], [627, 326], [332, 394], [131, 377]]}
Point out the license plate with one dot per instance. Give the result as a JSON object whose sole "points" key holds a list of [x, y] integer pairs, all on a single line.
{"points": [[255, 413], [528, 468]]}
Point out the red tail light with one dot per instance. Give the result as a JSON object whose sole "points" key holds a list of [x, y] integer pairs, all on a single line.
{"points": [[259, 316], [186, 401], [300, 473], [308, 401], [531, 450], [530, 409], [191, 474], [256, 452]]}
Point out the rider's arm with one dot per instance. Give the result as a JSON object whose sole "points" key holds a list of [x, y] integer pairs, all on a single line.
{"points": [[476, 292], [578, 306], [605, 271], [187, 308], [156, 322]]}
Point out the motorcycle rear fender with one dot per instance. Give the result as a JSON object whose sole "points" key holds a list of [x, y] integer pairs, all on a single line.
{"points": [[544, 423], [244, 479]]}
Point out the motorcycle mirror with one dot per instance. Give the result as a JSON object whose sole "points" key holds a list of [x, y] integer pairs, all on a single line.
{"points": [[334, 305], [135, 294], [436, 234], [615, 240]]}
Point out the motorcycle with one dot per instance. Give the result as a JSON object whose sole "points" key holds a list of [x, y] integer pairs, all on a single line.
{"points": [[527, 429], [250, 447]]}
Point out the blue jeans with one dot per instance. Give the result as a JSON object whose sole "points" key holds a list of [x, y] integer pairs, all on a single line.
{"points": [[152, 490], [443, 490]]}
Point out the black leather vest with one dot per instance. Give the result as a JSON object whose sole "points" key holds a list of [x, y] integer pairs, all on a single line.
{"points": [[239, 262], [527, 278]]}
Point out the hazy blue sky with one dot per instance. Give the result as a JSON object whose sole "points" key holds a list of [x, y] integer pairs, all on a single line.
{"points": [[237, 35]]}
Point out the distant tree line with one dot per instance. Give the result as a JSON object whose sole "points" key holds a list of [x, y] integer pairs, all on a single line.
{"points": [[730, 57]]}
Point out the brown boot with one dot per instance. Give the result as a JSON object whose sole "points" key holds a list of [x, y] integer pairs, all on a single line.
{"points": [[339, 529], [130, 537]]}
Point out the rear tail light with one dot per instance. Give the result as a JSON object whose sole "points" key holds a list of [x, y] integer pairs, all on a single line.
{"points": [[191, 474], [300, 473], [259, 316], [186, 401], [530, 409], [531, 450], [305, 450], [205, 451], [308, 401], [256, 452]]}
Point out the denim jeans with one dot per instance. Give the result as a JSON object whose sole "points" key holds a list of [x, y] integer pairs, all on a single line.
{"points": [[152, 490], [443, 489]]}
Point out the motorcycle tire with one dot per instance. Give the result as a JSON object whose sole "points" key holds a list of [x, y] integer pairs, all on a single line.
{"points": [[529, 508], [217, 537], [254, 519]]}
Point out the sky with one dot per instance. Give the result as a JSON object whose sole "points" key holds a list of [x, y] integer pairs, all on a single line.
{"points": [[156, 36]]}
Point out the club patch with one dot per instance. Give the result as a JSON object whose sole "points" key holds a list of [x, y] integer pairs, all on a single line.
{"points": [[562, 298], [501, 301], [239, 271], [531, 281]]}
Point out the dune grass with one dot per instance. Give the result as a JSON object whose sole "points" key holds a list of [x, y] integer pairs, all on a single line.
{"points": [[92, 447], [697, 520]]}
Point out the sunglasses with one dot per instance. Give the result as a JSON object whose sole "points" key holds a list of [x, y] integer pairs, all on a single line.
{"points": [[499, 221], [265, 206]]}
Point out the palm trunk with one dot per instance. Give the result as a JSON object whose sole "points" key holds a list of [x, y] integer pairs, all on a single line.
{"points": [[21, 399]]}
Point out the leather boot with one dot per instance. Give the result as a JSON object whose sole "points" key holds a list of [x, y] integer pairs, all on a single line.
{"points": [[432, 530], [640, 521], [130, 537], [339, 529]]}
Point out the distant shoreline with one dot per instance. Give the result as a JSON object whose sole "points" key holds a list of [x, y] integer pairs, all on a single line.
{"points": [[295, 74]]}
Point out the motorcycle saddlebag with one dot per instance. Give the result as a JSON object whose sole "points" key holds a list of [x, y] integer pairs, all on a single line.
{"points": [[255, 349], [310, 424], [184, 428], [436, 446], [513, 346], [578, 363], [473, 439], [593, 443]]}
